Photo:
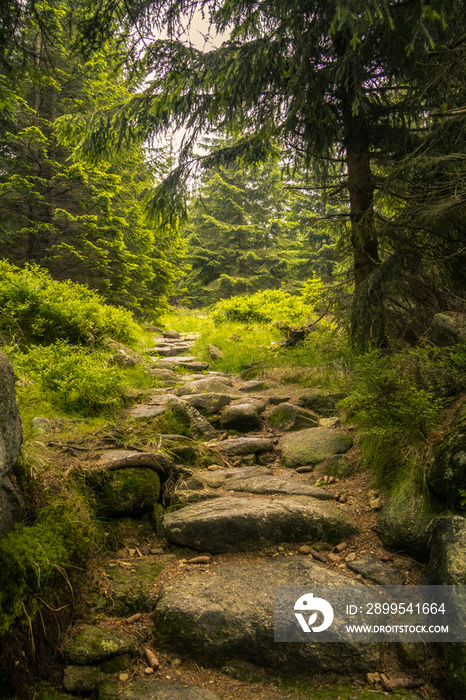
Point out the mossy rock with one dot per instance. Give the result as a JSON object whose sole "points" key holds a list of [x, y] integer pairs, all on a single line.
{"points": [[313, 445], [340, 466], [455, 660], [447, 473], [129, 492], [93, 644], [131, 590], [404, 525], [286, 416]]}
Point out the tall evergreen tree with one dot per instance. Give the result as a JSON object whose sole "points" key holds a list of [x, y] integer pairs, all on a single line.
{"points": [[80, 220], [328, 79]]}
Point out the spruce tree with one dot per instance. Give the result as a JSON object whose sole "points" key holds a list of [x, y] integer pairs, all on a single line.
{"points": [[328, 79], [81, 220]]}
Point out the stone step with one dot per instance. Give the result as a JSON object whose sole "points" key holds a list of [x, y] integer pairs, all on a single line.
{"points": [[238, 524], [229, 616]]}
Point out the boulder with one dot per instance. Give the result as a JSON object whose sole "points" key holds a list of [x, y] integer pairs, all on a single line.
{"points": [[447, 567], [230, 616], [323, 404], [11, 437], [199, 426], [340, 466], [447, 328], [446, 476], [447, 563], [313, 445], [210, 402], [244, 445], [287, 416], [130, 590], [243, 417], [11, 434], [403, 526], [173, 335], [215, 353], [208, 385], [81, 680], [235, 524], [253, 385], [92, 644]]}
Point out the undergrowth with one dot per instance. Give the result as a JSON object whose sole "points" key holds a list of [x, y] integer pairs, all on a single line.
{"points": [[36, 308], [397, 401]]}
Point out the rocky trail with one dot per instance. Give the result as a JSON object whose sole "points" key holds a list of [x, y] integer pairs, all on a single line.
{"points": [[262, 489]]}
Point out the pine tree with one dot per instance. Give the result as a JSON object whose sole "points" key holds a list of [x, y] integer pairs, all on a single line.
{"points": [[83, 221], [329, 80]]}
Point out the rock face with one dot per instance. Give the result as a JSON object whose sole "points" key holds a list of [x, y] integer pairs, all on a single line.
{"points": [[447, 563], [401, 526], [448, 328], [289, 417], [230, 616], [313, 445], [235, 524], [11, 437], [447, 473]]}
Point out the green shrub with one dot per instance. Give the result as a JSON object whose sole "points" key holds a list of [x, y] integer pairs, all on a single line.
{"points": [[397, 401], [37, 308], [33, 558], [262, 307], [70, 377]]}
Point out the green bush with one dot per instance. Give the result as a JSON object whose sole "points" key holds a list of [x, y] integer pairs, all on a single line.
{"points": [[37, 308], [397, 400], [262, 307], [72, 378], [33, 558]]}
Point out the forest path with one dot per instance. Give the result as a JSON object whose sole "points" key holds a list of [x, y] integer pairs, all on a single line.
{"points": [[243, 522]]}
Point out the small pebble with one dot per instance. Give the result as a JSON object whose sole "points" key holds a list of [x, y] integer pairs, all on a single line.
{"points": [[156, 550], [131, 552], [342, 499], [148, 671], [213, 467], [325, 478], [341, 547], [305, 549], [175, 663], [351, 557], [123, 677], [304, 470], [331, 480], [281, 549]]}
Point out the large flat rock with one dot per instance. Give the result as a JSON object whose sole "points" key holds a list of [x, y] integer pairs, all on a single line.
{"points": [[274, 484], [229, 616], [313, 445], [238, 524], [245, 445], [202, 386]]}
